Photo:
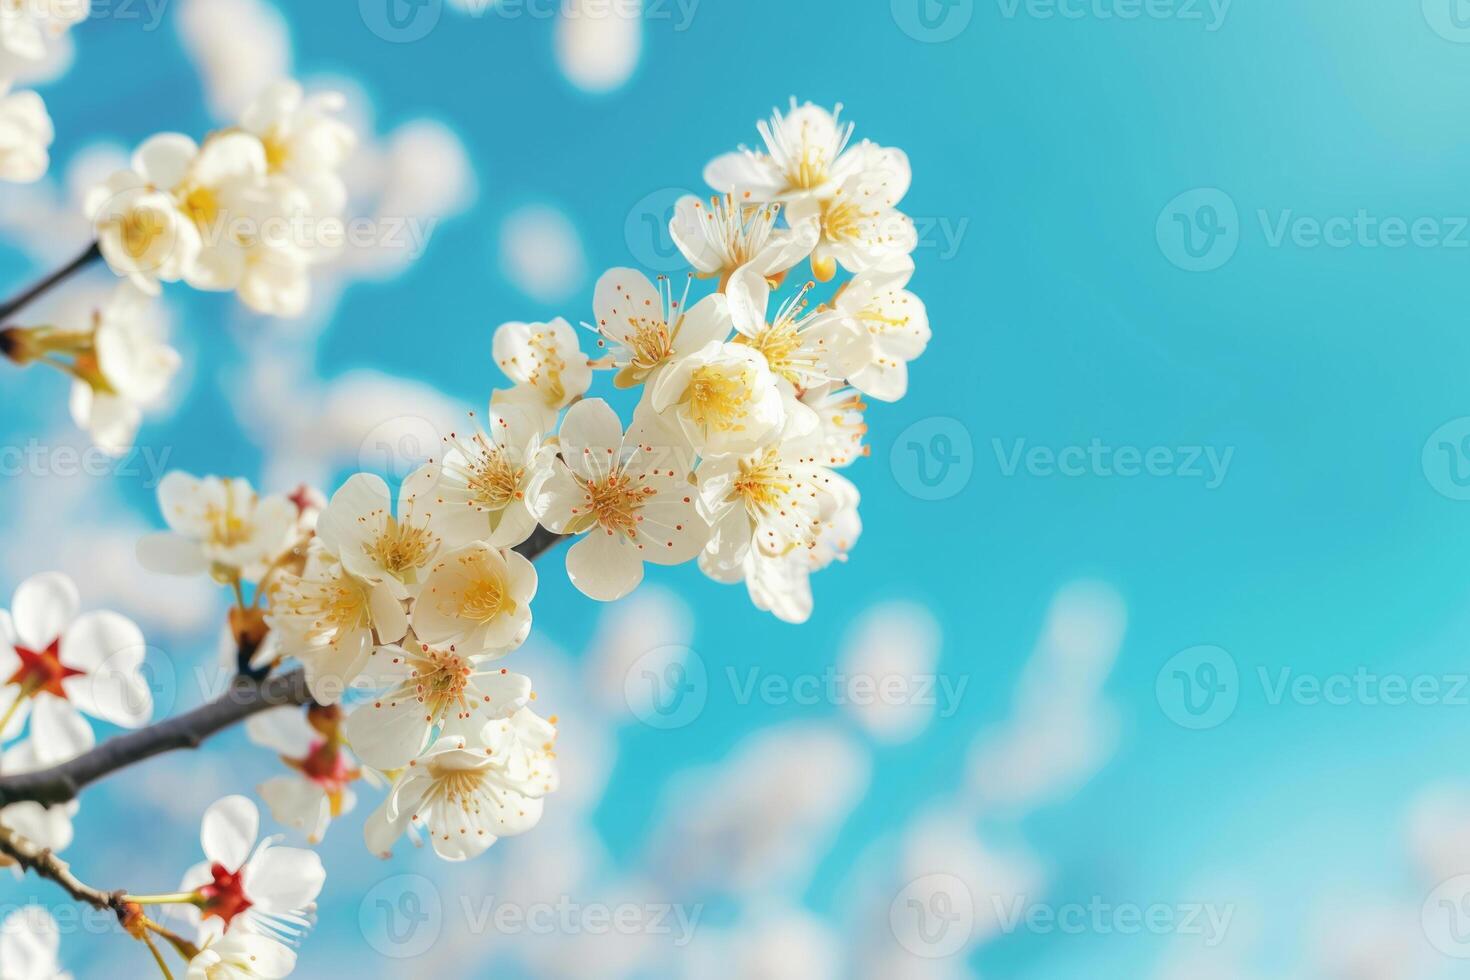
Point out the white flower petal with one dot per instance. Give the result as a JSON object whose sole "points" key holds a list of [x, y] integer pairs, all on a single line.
{"points": [[228, 831], [43, 607]]}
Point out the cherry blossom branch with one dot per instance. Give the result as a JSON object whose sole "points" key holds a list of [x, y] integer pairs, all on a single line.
{"points": [[45, 864], [13, 306], [42, 862], [248, 695]]}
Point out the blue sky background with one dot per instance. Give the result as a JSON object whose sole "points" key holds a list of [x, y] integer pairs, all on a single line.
{"points": [[1046, 153]]}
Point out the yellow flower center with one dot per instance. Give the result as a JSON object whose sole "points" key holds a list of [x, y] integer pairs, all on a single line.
{"points": [[492, 477], [612, 503], [400, 547], [718, 397], [439, 680], [334, 606], [485, 598], [200, 204], [139, 230], [227, 526], [763, 483]]}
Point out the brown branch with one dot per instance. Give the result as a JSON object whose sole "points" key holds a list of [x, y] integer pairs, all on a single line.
{"points": [[46, 864], [13, 306], [247, 696]]}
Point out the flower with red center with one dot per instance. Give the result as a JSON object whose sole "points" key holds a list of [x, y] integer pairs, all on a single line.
{"points": [[59, 666], [262, 888], [318, 789]]}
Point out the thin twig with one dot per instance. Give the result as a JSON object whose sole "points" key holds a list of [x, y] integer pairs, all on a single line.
{"points": [[16, 304], [42, 862]]}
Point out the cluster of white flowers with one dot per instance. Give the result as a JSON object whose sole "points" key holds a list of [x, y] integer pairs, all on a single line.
{"points": [[251, 210], [749, 402], [397, 615], [399, 604], [29, 30]]}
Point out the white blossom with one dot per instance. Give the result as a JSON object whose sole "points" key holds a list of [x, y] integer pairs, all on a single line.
{"points": [[361, 529], [131, 367], [724, 398], [63, 665], [648, 328], [319, 789], [26, 134], [879, 302], [806, 154], [729, 233], [429, 690], [547, 367], [804, 348], [484, 477], [632, 501], [260, 888], [242, 956], [476, 600], [332, 620], [465, 793], [217, 524]]}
